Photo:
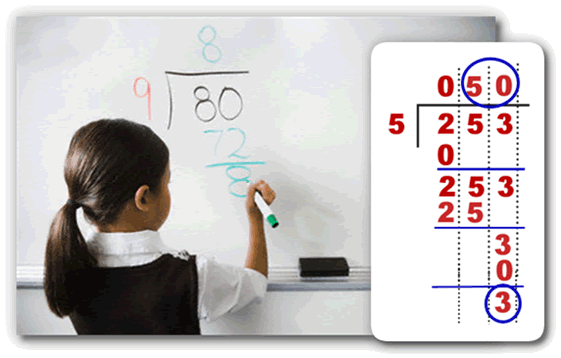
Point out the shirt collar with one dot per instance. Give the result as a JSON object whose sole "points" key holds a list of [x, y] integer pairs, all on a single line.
{"points": [[126, 243]]}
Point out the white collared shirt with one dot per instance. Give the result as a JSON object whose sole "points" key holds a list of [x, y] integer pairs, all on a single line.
{"points": [[222, 288]]}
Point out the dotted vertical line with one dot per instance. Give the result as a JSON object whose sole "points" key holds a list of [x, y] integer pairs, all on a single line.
{"points": [[488, 184], [458, 160], [517, 198]]}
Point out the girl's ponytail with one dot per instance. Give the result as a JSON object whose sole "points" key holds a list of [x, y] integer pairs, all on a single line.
{"points": [[66, 259], [107, 161]]}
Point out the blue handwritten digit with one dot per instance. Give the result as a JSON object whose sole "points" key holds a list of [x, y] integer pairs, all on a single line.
{"points": [[240, 147], [237, 180], [209, 44], [218, 141]]}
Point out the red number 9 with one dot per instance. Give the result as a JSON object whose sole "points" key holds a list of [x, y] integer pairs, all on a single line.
{"points": [[147, 93]]}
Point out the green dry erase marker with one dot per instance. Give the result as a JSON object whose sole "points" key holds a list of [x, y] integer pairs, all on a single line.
{"points": [[265, 210]]}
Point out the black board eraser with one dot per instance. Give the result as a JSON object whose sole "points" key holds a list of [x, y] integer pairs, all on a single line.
{"points": [[323, 266]]}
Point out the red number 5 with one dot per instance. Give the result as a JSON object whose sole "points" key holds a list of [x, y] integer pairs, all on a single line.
{"points": [[478, 214], [394, 122], [472, 83]]}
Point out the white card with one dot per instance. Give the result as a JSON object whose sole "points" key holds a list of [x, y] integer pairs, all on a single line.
{"points": [[457, 192]]}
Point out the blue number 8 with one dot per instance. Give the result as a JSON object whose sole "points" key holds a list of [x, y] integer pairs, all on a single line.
{"points": [[209, 44], [236, 180]]}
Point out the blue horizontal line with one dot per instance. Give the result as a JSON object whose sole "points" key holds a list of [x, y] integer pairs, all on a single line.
{"points": [[467, 105], [471, 286], [479, 227], [206, 73], [483, 169], [233, 163]]}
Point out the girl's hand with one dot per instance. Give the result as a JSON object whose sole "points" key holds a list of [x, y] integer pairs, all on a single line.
{"points": [[267, 193]]}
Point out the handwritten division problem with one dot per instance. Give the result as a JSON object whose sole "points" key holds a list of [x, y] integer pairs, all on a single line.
{"points": [[210, 107]]}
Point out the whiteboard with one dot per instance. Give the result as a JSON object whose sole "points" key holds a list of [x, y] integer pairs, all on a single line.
{"points": [[280, 99]]}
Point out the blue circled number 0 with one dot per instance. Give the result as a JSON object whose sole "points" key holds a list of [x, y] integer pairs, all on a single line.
{"points": [[497, 60]]}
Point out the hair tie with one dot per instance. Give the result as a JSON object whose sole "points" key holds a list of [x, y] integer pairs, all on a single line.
{"points": [[73, 204]]}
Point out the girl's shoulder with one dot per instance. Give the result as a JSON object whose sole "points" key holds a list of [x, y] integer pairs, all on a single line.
{"points": [[183, 254]]}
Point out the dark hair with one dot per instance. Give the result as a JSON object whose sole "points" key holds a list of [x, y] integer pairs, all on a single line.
{"points": [[107, 161]]}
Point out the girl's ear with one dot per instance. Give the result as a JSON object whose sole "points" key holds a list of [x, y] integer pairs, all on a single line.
{"points": [[141, 198]]}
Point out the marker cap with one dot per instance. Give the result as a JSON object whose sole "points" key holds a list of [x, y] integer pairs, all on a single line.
{"points": [[273, 221]]}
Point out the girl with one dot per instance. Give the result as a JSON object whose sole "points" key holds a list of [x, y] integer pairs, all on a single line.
{"points": [[123, 279]]}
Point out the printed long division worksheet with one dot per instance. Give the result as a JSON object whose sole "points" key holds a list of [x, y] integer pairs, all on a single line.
{"points": [[457, 192]]}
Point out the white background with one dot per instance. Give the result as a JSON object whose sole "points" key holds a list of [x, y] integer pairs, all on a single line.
{"points": [[517, 21]]}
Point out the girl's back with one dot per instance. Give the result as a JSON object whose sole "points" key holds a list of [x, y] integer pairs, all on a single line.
{"points": [[124, 280], [156, 298]]}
